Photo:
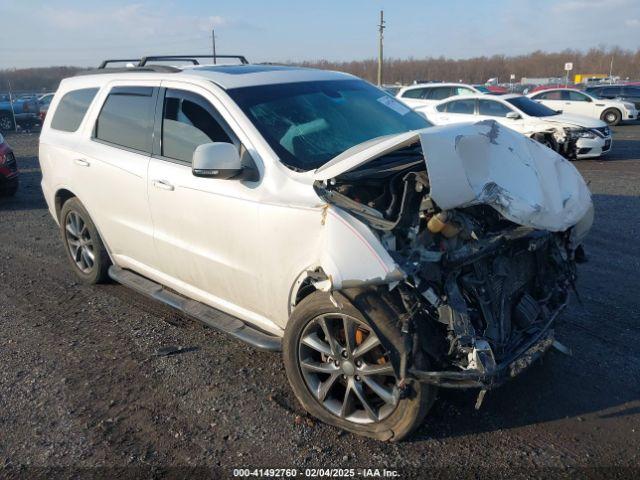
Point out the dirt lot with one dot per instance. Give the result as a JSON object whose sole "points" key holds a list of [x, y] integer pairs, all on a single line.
{"points": [[81, 385]]}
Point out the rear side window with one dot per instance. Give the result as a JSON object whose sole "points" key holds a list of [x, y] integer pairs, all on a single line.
{"points": [[188, 121], [126, 118], [72, 109]]}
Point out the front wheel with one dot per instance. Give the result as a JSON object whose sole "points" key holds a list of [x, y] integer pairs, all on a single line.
{"points": [[611, 116], [341, 373]]}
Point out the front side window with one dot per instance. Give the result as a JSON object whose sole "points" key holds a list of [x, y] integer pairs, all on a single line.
{"points": [[576, 96], [440, 93], [126, 118], [188, 121], [463, 107], [72, 109], [309, 123], [491, 108]]}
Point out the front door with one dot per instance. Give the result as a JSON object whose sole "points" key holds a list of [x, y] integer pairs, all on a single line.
{"points": [[204, 228]]}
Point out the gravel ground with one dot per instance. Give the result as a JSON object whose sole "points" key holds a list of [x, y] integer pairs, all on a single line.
{"points": [[82, 389]]}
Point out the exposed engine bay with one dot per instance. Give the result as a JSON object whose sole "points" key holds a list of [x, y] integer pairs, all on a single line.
{"points": [[481, 292]]}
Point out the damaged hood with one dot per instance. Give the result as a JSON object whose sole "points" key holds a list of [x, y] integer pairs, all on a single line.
{"points": [[486, 163]]}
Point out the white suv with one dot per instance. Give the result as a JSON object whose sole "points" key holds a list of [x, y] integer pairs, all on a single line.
{"points": [[423, 94], [309, 211]]}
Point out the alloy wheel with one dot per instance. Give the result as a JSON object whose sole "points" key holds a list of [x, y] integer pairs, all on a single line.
{"points": [[346, 368], [79, 241]]}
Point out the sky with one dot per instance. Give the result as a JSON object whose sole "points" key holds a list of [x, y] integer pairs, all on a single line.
{"points": [[36, 33]]}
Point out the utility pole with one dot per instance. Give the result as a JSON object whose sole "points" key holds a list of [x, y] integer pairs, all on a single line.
{"points": [[381, 28], [213, 44], [611, 71]]}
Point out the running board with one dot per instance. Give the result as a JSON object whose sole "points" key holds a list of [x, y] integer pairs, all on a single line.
{"points": [[210, 316]]}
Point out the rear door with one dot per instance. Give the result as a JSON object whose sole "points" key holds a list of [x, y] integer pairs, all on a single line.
{"points": [[114, 163], [578, 103], [456, 111]]}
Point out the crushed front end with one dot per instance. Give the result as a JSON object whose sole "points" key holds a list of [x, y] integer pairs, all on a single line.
{"points": [[483, 282]]}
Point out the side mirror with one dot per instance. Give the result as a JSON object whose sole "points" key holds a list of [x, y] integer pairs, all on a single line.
{"points": [[216, 160], [513, 115]]}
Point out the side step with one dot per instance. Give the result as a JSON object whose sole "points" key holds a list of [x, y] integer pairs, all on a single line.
{"points": [[204, 313]]}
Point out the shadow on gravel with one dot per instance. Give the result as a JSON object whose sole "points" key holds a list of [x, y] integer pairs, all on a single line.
{"points": [[623, 150], [29, 195]]}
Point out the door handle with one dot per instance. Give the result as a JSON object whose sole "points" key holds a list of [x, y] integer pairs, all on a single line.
{"points": [[163, 185], [82, 162]]}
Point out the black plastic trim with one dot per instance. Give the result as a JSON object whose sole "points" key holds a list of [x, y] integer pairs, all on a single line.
{"points": [[208, 315]]}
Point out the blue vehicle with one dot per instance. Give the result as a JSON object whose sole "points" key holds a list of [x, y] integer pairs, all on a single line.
{"points": [[22, 111]]}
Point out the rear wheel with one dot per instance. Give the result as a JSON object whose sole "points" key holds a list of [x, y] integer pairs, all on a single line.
{"points": [[85, 250], [341, 373], [611, 116], [9, 190]]}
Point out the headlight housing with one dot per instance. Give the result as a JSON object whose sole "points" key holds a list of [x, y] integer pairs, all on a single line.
{"points": [[584, 133]]}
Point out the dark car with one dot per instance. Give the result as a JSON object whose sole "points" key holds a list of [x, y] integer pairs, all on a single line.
{"points": [[629, 93], [8, 170]]}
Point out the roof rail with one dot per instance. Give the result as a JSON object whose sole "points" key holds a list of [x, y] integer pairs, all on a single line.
{"points": [[104, 64], [190, 58]]}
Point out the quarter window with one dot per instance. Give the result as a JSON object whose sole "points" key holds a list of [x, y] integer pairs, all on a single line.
{"points": [[72, 109], [491, 108], [126, 118], [188, 121]]}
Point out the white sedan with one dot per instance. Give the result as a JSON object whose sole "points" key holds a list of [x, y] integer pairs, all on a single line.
{"points": [[571, 135], [570, 100]]}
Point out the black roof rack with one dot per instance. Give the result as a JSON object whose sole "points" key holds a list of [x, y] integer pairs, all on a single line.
{"points": [[118, 60], [192, 58]]}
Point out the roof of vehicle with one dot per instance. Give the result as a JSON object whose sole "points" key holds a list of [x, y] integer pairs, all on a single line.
{"points": [[481, 96], [442, 84], [227, 76]]}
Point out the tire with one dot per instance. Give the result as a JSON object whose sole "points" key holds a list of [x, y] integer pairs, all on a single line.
{"points": [[611, 116], [389, 421], [6, 122], [86, 252]]}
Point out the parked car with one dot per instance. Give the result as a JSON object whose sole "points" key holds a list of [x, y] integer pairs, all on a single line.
{"points": [[569, 100], [328, 219], [550, 86], [573, 136], [626, 93], [24, 110], [44, 102], [426, 93], [8, 170]]}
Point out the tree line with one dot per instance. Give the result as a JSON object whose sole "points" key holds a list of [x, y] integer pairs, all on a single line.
{"points": [[626, 64]]}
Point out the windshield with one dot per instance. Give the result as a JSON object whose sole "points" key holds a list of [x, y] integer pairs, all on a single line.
{"points": [[531, 108], [309, 123]]}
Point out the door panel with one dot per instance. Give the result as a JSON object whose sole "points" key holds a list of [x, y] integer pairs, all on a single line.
{"points": [[204, 228], [113, 178]]}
